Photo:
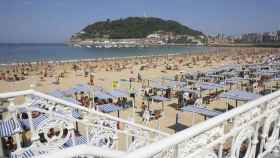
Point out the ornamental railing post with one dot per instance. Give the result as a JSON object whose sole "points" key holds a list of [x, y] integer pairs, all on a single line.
{"points": [[34, 135], [255, 140], [176, 151], [263, 135]]}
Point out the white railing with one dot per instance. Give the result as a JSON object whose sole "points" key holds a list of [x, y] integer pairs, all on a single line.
{"points": [[99, 130], [249, 131]]}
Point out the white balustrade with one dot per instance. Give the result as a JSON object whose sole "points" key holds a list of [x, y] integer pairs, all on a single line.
{"points": [[248, 131], [55, 126]]}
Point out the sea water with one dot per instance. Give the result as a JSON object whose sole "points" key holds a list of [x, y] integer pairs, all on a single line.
{"points": [[11, 53]]}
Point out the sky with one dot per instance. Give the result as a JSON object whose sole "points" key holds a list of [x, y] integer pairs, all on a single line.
{"points": [[54, 21]]}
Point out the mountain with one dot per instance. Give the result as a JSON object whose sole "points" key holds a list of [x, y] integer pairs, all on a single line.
{"points": [[134, 27]]}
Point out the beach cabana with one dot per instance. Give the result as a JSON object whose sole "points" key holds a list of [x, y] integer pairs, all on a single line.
{"points": [[108, 108], [200, 110], [37, 121], [208, 86], [78, 140], [118, 93], [203, 86], [158, 85], [159, 99], [102, 95], [9, 127], [239, 95], [71, 91], [57, 94], [83, 88]]}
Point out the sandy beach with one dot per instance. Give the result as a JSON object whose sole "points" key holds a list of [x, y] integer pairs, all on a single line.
{"points": [[47, 77]]}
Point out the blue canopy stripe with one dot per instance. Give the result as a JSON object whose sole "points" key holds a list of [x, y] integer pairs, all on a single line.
{"points": [[159, 98], [78, 141], [117, 93], [239, 95], [57, 93], [102, 95], [201, 110], [27, 154], [208, 85], [76, 113], [107, 108], [9, 127], [36, 121], [83, 88]]}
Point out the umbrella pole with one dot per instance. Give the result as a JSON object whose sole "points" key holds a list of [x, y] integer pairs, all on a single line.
{"points": [[158, 124], [192, 118], [133, 109]]}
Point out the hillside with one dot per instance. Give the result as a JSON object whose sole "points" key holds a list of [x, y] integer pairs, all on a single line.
{"points": [[134, 27]]}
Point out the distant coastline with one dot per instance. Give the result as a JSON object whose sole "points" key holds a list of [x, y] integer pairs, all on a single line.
{"points": [[267, 45]]}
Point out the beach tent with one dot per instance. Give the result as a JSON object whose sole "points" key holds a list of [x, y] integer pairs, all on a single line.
{"points": [[238, 95], [159, 98], [102, 95], [78, 141], [167, 78], [118, 93], [83, 88], [57, 94], [199, 108], [159, 86], [78, 88], [37, 121], [208, 85], [9, 127], [107, 108], [71, 91]]}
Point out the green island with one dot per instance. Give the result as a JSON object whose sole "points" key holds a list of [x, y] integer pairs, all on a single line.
{"points": [[138, 31]]}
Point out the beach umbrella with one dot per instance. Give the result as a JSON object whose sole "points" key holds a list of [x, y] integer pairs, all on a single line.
{"points": [[57, 93], [102, 95], [118, 93]]}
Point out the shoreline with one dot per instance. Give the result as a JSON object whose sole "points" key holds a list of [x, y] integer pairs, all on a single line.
{"points": [[101, 59]]}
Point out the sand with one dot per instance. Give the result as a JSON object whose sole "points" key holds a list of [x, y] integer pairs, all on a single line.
{"points": [[105, 71]]}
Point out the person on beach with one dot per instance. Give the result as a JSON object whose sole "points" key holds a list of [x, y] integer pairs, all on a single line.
{"points": [[91, 79]]}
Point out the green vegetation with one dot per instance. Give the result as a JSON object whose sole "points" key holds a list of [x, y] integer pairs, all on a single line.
{"points": [[134, 27]]}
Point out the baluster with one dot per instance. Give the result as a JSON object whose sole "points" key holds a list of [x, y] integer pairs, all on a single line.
{"points": [[176, 151], [276, 150], [255, 140], [73, 137], [221, 147], [12, 109], [263, 135], [34, 136], [87, 134]]}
